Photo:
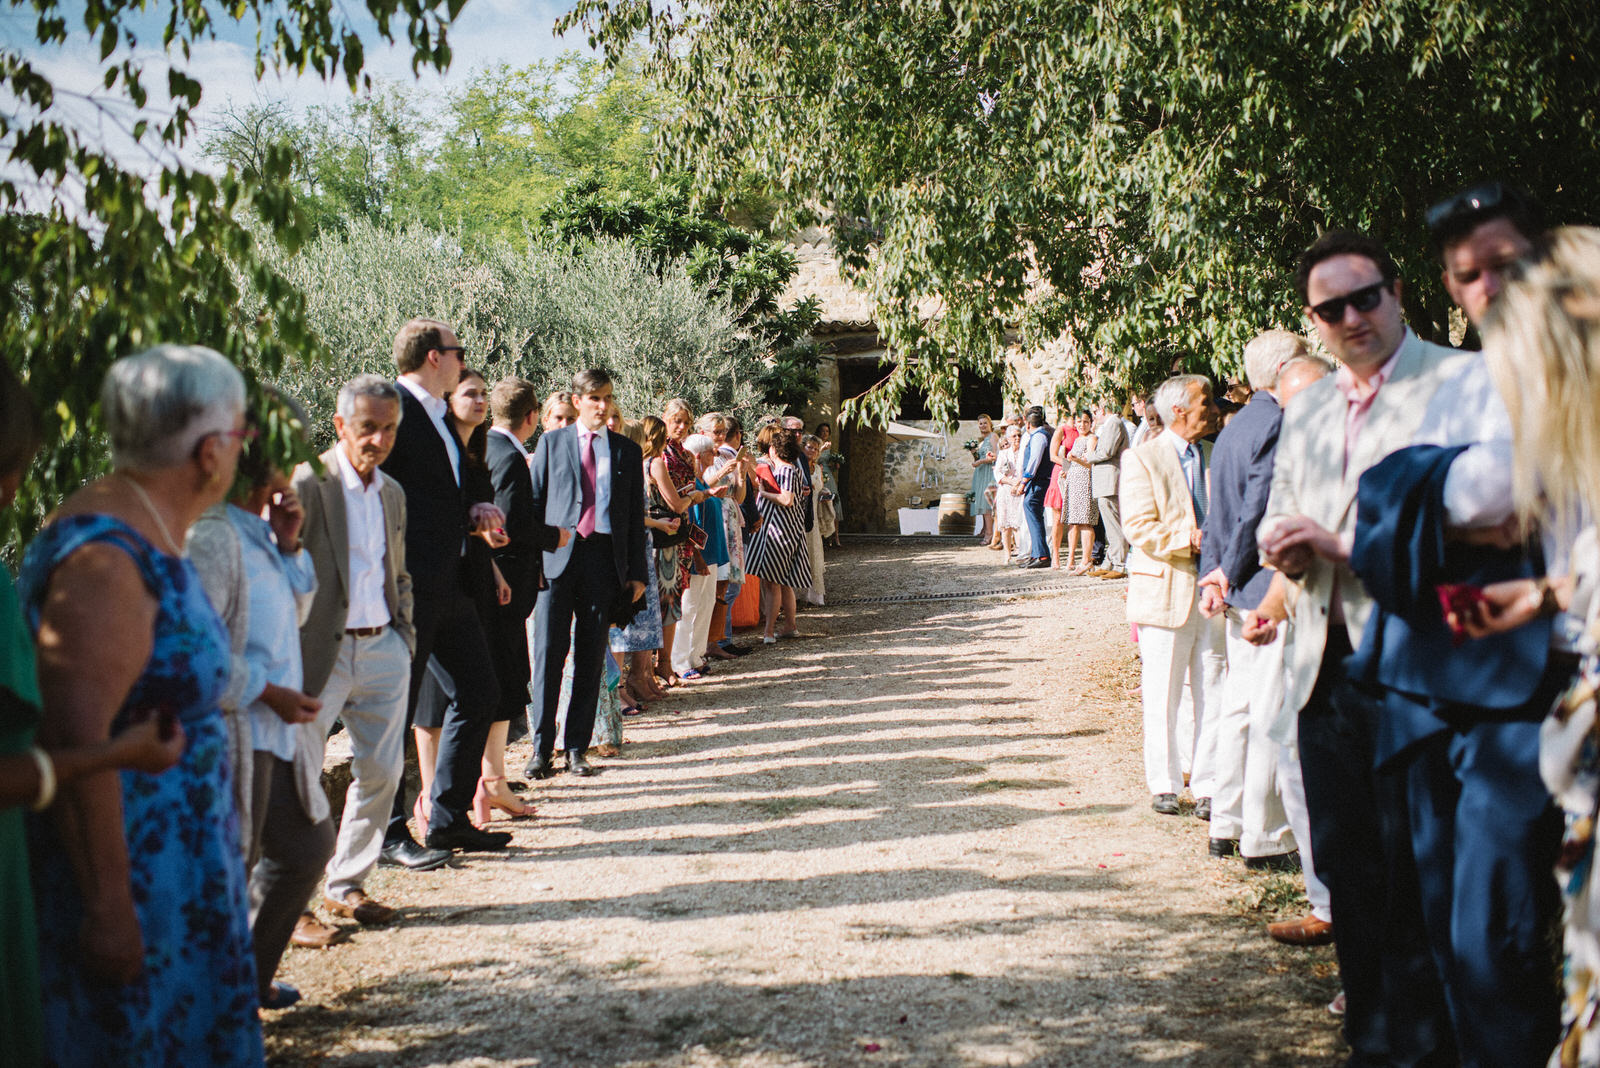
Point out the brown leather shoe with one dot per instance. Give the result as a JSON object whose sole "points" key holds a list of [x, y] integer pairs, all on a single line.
{"points": [[312, 933], [1113, 574], [359, 907], [1306, 931]]}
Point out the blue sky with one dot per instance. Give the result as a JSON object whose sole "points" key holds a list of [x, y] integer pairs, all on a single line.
{"points": [[488, 33]]}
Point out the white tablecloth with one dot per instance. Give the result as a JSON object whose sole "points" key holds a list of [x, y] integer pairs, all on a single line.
{"points": [[926, 521]]}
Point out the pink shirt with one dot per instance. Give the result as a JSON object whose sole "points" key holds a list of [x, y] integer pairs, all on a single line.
{"points": [[1360, 396]]}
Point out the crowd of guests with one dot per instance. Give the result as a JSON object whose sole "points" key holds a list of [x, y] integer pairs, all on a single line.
{"points": [[1368, 635], [431, 578]]}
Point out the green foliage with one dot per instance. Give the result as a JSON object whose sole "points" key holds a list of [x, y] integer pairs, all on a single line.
{"points": [[98, 260], [1139, 175], [540, 312]]}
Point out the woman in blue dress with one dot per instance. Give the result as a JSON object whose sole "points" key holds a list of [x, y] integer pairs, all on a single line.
{"points": [[143, 915]]}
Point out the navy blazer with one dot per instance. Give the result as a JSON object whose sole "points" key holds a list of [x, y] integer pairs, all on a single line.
{"points": [[556, 473], [1241, 480], [1401, 555], [436, 500]]}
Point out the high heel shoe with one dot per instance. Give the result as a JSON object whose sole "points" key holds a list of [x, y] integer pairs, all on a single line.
{"points": [[486, 799], [419, 812]]}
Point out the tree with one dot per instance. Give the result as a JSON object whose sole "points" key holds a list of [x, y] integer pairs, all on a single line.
{"points": [[99, 258], [1139, 174]]}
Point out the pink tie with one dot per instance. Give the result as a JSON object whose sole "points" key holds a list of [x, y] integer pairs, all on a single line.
{"points": [[586, 518]]}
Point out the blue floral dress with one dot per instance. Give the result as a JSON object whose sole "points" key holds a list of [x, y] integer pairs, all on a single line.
{"points": [[195, 1002]]}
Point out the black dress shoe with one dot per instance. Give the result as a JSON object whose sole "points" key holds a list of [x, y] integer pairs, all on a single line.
{"points": [[539, 767], [1289, 861], [1037, 563], [1224, 847], [1166, 804], [577, 765], [468, 839], [1202, 809], [408, 854]]}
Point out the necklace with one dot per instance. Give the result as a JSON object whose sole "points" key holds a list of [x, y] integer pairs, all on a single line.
{"points": [[150, 506]]}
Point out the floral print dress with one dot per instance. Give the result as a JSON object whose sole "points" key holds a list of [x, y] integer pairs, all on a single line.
{"points": [[195, 1001]]}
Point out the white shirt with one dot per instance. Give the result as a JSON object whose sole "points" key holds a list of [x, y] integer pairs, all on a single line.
{"points": [[602, 474], [437, 409], [363, 518], [279, 586], [509, 436]]}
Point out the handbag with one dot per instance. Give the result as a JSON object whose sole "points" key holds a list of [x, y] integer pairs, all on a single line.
{"points": [[662, 514]]}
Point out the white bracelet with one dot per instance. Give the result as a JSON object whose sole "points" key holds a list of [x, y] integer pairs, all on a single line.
{"points": [[47, 778]]}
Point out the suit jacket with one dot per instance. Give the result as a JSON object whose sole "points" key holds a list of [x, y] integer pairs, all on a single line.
{"points": [[556, 472], [437, 504], [520, 557], [1309, 477], [1158, 519], [1241, 479], [1110, 442], [326, 535]]}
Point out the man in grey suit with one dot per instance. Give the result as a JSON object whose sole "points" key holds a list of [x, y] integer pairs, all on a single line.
{"points": [[1332, 433], [358, 639], [1105, 472]]}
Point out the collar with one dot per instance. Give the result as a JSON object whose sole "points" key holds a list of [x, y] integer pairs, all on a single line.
{"points": [[1176, 441], [350, 478], [1356, 393], [435, 406], [509, 436]]}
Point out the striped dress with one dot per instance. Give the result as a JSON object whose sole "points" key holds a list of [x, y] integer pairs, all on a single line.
{"points": [[778, 552]]}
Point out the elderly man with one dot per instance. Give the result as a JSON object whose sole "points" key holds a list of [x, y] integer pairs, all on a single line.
{"points": [[1164, 490], [1246, 814], [1461, 721], [427, 463], [357, 641], [1111, 441], [1335, 431]]}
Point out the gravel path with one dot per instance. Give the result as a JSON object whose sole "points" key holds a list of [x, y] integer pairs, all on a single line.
{"points": [[916, 836]]}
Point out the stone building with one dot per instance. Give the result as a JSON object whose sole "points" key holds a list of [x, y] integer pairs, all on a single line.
{"points": [[881, 475]]}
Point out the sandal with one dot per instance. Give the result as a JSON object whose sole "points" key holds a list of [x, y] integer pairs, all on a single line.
{"points": [[692, 675]]}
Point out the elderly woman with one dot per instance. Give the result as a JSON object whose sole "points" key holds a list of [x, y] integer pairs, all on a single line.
{"points": [[778, 554], [145, 948], [815, 593], [1008, 489], [708, 562], [262, 582], [30, 775]]}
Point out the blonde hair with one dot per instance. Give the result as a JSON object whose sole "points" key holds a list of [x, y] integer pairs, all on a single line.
{"points": [[676, 404], [1542, 346]]}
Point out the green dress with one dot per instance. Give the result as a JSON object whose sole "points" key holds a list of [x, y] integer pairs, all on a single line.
{"points": [[20, 1019]]}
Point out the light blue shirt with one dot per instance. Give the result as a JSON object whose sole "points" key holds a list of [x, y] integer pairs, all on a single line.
{"points": [[1033, 450], [281, 589], [602, 474]]}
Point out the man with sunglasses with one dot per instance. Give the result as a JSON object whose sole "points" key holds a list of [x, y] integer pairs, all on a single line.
{"points": [[427, 463], [1461, 720], [1333, 432]]}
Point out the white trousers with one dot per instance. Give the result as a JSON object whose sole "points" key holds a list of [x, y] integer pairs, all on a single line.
{"points": [[367, 691], [1245, 803], [1167, 655], [689, 640]]}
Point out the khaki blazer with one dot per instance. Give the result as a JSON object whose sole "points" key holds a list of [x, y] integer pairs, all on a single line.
{"points": [[1158, 519], [1309, 478], [327, 538]]}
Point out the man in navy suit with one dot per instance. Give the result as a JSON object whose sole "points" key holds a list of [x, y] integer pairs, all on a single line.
{"points": [[588, 500], [1037, 469], [1258, 794], [426, 462]]}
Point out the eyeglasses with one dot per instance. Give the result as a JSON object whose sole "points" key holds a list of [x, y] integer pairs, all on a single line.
{"points": [[457, 349], [1365, 299], [1449, 212]]}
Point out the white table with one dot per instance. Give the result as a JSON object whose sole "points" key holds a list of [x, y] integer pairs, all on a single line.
{"points": [[926, 521]]}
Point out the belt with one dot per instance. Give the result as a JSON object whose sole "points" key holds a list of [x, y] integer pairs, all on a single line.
{"points": [[364, 632]]}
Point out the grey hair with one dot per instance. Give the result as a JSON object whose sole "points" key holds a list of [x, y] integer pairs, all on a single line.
{"points": [[375, 387], [1266, 354], [696, 444], [1174, 394], [1320, 363], [160, 403]]}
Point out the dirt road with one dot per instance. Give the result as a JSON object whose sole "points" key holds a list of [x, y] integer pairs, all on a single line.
{"points": [[918, 835]]}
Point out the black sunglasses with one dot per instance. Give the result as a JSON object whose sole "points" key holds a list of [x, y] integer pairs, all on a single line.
{"points": [[1467, 203], [1365, 299], [457, 349]]}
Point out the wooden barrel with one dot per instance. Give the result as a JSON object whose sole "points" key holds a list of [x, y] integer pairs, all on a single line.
{"points": [[954, 517]]}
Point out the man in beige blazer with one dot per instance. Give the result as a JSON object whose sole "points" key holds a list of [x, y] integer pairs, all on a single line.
{"points": [[1332, 432], [357, 641], [1164, 499]]}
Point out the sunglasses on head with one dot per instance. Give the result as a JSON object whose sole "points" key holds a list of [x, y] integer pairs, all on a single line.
{"points": [[1449, 212], [1365, 299]]}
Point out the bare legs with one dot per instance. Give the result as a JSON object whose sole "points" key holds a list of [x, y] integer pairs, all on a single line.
{"points": [[427, 756], [1080, 536], [1054, 527]]}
